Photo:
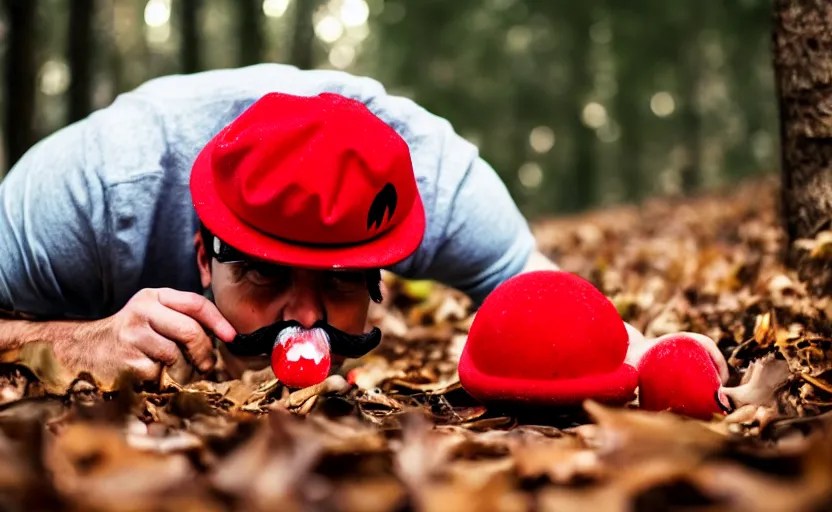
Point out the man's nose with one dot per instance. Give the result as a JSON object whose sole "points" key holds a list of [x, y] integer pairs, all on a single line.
{"points": [[304, 305]]}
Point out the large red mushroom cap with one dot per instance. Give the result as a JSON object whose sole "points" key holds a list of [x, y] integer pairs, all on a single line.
{"points": [[547, 338]]}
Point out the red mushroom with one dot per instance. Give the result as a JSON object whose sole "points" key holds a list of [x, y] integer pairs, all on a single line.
{"points": [[547, 338], [683, 373]]}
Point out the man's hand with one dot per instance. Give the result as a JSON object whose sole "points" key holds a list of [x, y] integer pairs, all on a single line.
{"points": [[156, 328]]}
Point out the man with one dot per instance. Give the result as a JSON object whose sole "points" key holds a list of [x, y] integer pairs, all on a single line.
{"points": [[254, 205], [282, 206]]}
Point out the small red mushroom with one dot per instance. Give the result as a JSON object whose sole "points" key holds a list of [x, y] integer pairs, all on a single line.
{"points": [[301, 357], [683, 373]]}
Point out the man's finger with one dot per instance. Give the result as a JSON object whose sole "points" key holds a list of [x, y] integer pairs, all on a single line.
{"points": [[200, 309], [159, 348], [184, 330], [144, 369]]}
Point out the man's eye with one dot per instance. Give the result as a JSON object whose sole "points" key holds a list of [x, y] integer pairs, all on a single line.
{"points": [[345, 281], [266, 275]]}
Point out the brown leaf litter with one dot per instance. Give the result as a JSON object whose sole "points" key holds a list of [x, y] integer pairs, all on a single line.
{"points": [[397, 432]]}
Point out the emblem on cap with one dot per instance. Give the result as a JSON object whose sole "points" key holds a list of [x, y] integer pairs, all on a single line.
{"points": [[384, 202]]}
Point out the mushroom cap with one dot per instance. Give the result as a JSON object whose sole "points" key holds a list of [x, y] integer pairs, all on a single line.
{"points": [[548, 338]]}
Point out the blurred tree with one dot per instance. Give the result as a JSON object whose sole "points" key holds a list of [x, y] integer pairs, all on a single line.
{"points": [[803, 68], [21, 77], [303, 34], [690, 63], [130, 56], [81, 49], [250, 35], [631, 99], [190, 12], [581, 189]]}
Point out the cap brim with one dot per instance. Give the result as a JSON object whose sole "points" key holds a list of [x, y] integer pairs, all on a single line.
{"points": [[616, 387], [383, 251]]}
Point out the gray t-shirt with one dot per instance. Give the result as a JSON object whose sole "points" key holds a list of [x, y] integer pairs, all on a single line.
{"points": [[101, 209]]}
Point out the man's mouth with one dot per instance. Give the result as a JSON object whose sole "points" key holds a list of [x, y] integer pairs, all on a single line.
{"points": [[263, 340]]}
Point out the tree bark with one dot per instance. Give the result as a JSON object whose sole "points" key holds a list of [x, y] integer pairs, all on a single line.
{"points": [[803, 71], [21, 77], [80, 57], [250, 31], [303, 35], [189, 51]]}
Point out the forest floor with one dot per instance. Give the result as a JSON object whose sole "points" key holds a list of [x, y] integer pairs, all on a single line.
{"points": [[405, 436]]}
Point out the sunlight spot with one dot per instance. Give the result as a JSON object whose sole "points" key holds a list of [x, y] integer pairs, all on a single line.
{"points": [[54, 77], [541, 139], [358, 33], [594, 115], [530, 175], [354, 13], [662, 104], [342, 55], [329, 29], [157, 13], [275, 8]]}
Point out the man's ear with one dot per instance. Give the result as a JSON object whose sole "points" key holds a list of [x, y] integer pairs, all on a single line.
{"points": [[202, 260]]}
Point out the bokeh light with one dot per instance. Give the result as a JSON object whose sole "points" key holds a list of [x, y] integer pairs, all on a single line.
{"points": [[530, 175], [54, 77], [329, 29], [156, 13], [275, 8], [662, 104], [541, 139], [594, 115]]}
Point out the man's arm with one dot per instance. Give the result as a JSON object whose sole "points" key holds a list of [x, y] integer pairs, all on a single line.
{"points": [[537, 261], [53, 271]]}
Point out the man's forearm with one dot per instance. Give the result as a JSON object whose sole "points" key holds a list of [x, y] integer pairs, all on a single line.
{"points": [[16, 333], [537, 261]]}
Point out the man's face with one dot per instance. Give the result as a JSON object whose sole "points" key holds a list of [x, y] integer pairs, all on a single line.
{"points": [[252, 295]]}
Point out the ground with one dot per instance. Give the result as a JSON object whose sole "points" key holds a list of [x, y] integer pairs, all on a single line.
{"points": [[403, 435]]}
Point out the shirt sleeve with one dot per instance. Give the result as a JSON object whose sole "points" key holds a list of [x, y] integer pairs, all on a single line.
{"points": [[49, 205], [485, 239]]}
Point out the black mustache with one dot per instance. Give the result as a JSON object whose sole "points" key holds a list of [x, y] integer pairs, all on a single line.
{"points": [[261, 341]]}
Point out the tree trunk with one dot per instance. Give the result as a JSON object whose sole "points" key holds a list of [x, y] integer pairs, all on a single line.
{"points": [[303, 35], [80, 57], [251, 31], [189, 51], [803, 71], [690, 117], [583, 192], [21, 77]]}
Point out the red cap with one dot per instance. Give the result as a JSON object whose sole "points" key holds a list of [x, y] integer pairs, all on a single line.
{"points": [[317, 182], [547, 338]]}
